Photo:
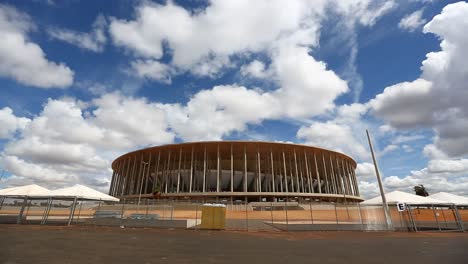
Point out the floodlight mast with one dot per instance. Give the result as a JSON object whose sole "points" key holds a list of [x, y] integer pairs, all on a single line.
{"points": [[388, 218]]}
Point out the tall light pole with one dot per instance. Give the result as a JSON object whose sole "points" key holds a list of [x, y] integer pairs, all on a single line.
{"points": [[388, 218]]}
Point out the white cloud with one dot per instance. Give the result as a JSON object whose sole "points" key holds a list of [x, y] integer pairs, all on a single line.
{"points": [[152, 69], [437, 98], [212, 114], [388, 148], [365, 171], [222, 29], [439, 166], [439, 176], [94, 41], [368, 189], [74, 142], [24, 60], [255, 69], [344, 133], [300, 74], [332, 136], [203, 41], [9, 123], [412, 21], [414, 97]]}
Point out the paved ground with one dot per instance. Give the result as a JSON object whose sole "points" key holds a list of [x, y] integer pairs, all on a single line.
{"points": [[39, 244]]}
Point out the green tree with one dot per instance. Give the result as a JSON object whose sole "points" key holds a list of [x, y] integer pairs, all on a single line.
{"points": [[421, 190]]}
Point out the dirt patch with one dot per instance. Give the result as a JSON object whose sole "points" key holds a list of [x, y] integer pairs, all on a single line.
{"points": [[88, 244]]}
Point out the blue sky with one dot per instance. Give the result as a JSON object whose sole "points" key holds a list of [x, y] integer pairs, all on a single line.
{"points": [[84, 82]]}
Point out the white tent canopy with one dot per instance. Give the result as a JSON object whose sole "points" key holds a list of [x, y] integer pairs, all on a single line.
{"points": [[403, 197], [27, 190], [450, 198], [82, 192]]}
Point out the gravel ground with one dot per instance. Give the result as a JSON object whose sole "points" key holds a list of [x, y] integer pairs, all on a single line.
{"points": [[84, 244]]}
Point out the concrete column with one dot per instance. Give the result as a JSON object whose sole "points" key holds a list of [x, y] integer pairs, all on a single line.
{"points": [[217, 169], [191, 172], [327, 186], [245, 169], [272, 172], [204, 171], [318, 174], [232, 170], [297, 173], [259, 171], [178, 170], [285, 173], [156, 173]]}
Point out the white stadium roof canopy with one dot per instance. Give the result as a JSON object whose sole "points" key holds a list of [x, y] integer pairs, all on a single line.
{"points": [[27, 190], [83, 192], [450, 198], [403, 197], [78, 191]]}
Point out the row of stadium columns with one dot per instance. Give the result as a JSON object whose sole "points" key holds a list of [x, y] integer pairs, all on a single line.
{"points": [[273, 172]]}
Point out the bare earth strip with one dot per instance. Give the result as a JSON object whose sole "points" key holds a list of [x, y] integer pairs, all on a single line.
{"points": [[80, 244]]}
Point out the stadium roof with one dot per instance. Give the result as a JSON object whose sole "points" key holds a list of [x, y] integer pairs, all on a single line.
{"points": [[450, 198], [397, 196], [27, 190], [83, 192]]}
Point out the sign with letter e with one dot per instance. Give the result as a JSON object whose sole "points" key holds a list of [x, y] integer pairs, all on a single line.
{"points": [[401, 206]]}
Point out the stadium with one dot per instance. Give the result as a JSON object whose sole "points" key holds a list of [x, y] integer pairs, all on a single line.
{"points": [[235, 170]]}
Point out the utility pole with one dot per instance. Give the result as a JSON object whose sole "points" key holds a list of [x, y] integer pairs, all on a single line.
{"points": [[388, 217]]}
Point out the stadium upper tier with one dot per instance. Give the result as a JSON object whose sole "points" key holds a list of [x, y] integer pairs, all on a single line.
{"points": [[236, 170]]}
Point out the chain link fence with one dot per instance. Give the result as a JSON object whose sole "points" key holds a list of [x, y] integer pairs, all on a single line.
{"points": [[240, 215]]}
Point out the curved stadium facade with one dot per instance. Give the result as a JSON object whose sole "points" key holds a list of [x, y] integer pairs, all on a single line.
{"points": [[256, 171]]}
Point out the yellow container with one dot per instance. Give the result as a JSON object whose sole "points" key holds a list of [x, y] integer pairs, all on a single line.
{"points": [[213, 216]]}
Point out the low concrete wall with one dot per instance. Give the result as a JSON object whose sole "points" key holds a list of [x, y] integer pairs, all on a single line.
{"points": [[175, 223]]}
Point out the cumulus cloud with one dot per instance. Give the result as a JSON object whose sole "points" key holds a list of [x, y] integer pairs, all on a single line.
{"points": [[256, 69], [437, 98], [365, 171], [203, 41], [9, 123], [152, 69], [412, 21], [344, 133], [229, 108], [74, 142], [93, 41], [440, 175], [22, 59]]}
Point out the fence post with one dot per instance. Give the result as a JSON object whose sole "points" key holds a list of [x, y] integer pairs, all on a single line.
{"points": [[360, 216], [172, 208], [286, 210], [2, 199], [410, 214], [311, 214], [46, 211], [458, 218], [20, 215], [146, 207], [246, 216], [99, 205], [435, 216], [122, 213], [336, 213], [271, 212], [196, 215], [72, 211]]}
